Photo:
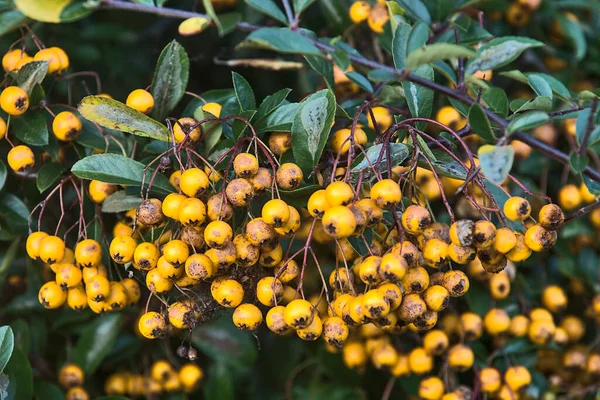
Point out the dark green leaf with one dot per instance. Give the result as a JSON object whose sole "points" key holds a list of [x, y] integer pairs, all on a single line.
{"points": [[301, 5], [31, 128], [268, 7], [120, 202], [3, 173], [435, 52], [399, 44], [210, 10], [592, 185], [360, 80], [398, 153], [31, 74], [11, 20], [219, 383], [419, 98], [282, 40], [270, 103], [96, 341], [480, 123], [7, 343], [444, 165], [381, 75], [500, 52], [418, 37], [20, 376], [322, 67], [119, 170], [574, 31], [496, 100], [416, 10], [113, 114], [557, 86], [170, 79], [239, 127], [528, 121], [54, 11], [496, 162], [279, 120], [48, 174], [43, 390], [578, 162], [13, 210], [541, 103], [310, 129], [540, 86], [298, 197], [243, 92]]}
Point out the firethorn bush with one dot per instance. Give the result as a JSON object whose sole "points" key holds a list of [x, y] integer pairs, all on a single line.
{"points": [[300, 199]]}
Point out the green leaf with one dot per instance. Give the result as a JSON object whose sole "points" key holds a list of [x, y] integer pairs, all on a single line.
{"points": [[10, 21], [396, 14], [480, 123], [541, 103], [219, 383], [31, 74], [322, 67], [113, 114], [400, 43], [381, 75], [360, 80], [120, 202], [496, 161], [398, 153], [48, 174], [270, 103], [20, 376], [43, 390], [299, 197], [279, 120], [282, 40], [54, 10], [14, 210], [581, 124], [96, 341], [574, 32], [310, 129], [540, 86], [268, 7], [578, 162], [119, 170], [210, 10], [419, 98], [500, 52], [7, 343], [435, 52], [527, 121], [301, 5], [238, 127], [170, 79], [31, 128], [243, 92], [496, 100], [558, 88], [416, 10], [592, 185], [418, 37], [3, 174]]}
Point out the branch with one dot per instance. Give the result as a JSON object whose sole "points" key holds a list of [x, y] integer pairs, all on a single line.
{"points": [[401, 74]]}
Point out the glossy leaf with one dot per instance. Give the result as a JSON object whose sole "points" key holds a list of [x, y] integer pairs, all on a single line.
{"points": [[301, 5], [271, 103], [31, 128], [310, 129], [573, 30], [170, 79], [96, 341], [400, 43], [322, 67], [279, 120], [119, 170], [11, 20], [416, 10], [398, 153], [298, 197], [20, 375], [497, 100], [360, 80], [48, 174], [113, 114], [3, 173]]}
